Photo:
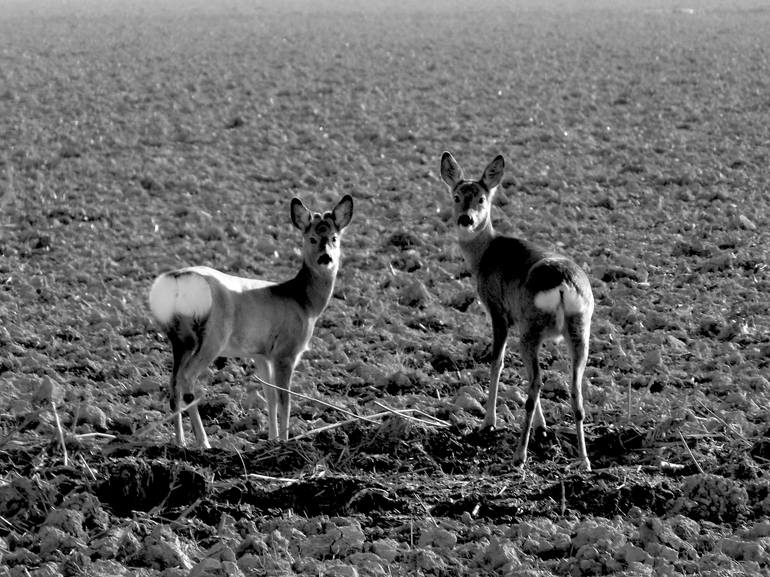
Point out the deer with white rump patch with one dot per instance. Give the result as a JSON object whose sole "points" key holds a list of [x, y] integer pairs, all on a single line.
{"points": [[547, 295], [209, 314]]}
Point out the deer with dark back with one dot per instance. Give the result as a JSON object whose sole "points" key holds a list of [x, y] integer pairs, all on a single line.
{"points": [[544, 294]]}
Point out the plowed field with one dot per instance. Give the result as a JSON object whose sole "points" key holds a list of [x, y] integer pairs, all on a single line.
{"points": [[138, 137]]}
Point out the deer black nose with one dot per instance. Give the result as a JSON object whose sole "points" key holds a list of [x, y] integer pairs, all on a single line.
{"points": [[464, 220], [188, 398], [324, 260]]}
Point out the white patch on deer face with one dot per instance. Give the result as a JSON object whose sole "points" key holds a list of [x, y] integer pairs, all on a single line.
{"points": [[471, 208], [322, 243]]}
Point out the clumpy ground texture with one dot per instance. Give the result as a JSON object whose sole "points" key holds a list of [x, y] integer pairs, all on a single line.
{"points": [[138, 139]]}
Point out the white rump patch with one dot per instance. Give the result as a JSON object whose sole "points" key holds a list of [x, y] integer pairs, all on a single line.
{"points": [[574, 302], [550, 300], [187, 295]]}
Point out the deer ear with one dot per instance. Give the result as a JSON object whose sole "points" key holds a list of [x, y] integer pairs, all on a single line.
{"points": [[451, 173], [493, 173], [343, 212], [300, 215]]}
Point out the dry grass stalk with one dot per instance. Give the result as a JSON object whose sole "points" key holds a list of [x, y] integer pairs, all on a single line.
{"points": [[336, 425], [694, 460], [404, 413], [243, 464], [86, 436], [319, 401], [728, 426], [5, 521], [434, 422], [88, 469], [388, 411], [60, 432], [431, 417], [272, 479]]}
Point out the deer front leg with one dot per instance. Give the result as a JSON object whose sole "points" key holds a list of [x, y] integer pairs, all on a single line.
{"points": [[530, 346], [271, 396], [264, 372], [283, 371]]}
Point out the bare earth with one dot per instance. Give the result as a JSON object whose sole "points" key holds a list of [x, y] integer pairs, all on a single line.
{"points": [[139, 137]]}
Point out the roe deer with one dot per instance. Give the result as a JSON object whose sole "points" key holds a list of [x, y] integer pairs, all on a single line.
{"points": [[209, 314], [547, 295]]}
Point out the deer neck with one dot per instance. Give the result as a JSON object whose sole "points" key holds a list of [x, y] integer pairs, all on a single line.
{"points": [[474, 248], [313, 289]]}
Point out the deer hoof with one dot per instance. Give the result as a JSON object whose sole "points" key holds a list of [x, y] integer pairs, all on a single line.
{"points": [[487, 425], [581, 464]]}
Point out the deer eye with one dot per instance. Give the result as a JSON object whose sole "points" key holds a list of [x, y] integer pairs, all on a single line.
{"points": [[481, 200], [313, 241], [457, 198], [334, 239]]}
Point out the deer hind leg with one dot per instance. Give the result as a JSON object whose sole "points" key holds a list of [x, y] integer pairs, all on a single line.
{"points": [[530, 347], [538, 421], [197, 424], [174, 393], [499, 338], [577, 342], [185, 383], [194, 362]]}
